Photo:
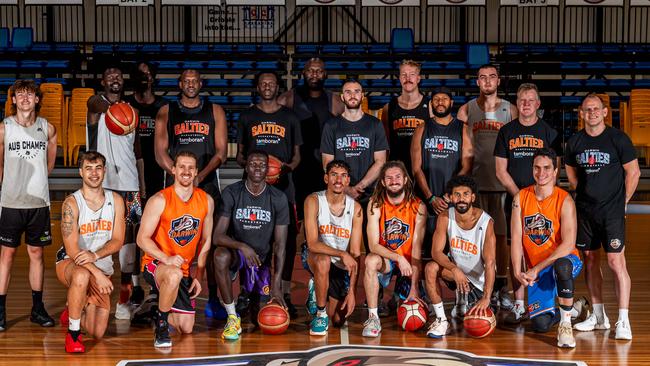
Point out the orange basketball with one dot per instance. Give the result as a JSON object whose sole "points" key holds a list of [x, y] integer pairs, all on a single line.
{"points": [[273, 319], [411, 315], [274, 170], [478, 326], [121, 118]]}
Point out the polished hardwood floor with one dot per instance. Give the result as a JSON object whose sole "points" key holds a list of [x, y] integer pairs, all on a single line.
{"points": [[26, 343]]}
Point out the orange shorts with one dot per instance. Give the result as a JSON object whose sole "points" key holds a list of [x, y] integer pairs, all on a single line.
{"points": [[94, 296]]}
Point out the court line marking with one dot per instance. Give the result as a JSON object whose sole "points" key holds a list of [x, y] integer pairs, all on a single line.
{"points": [[345, 339]]}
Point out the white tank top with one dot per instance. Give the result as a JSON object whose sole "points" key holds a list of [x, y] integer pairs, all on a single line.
{"points": [[466, 247], [334, 230], [121, 171], [96, 228], [25, 182]]}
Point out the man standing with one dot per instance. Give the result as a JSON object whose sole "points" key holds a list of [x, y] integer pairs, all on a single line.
{"points": [[250, 231], [124, 174], [194, 124], [147, 103], [27, 153], [314, 106], [333, 229], [469, 268], [441, 148], [92, 226], [396, 220], [176, 227], [601, 165], [484, 116], [543, 233], [404, 113], [516, 143], [274, 129]]}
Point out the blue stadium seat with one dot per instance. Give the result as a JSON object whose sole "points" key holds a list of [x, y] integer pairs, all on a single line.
{"points": [[459, 99], [199, 48], [357, 65], [383, 83], [173, 48], [382, 65], [241, 99], [478, 54], [610, 48], [271, 48], [222, 48], [620, 65], [168, 82], [247, 48], [169, 64], [570, 100], [267, 65], [22, 38], [333, 83], [218, 99], [365, 83], [8, 64], [587, 48], [66, 47], [571, 83], [198, 65], [241, 65], [597, 65], [514, 49], [4, 38], [564, 48], [128, 47], [41, 47], [336, 49], [61, 81], [455, 65], [152, 48], [539, 49], [379, 100], [7, 81], [451, 48], [331, 65], [430, 83], [455, 83], [642, 83], [170, 98], [428, 48], [215, 83], [432, 65], [241, 83], [307, 48], [595, 83], [380, 48], [619, 83], [355, 49], [402, 40], [103, 48], [217, 65], [32, 64], [570, 65], [642, 65], [57, 64]]}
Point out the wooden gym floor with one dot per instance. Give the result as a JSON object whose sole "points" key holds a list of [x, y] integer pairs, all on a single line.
{"points": [[24, 343]]}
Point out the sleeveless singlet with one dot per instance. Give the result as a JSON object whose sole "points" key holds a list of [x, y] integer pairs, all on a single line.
{"points": [[466, 247], [485, 128], [540, 224], [397, 226], [335, 231], [401, 126], [25, 183], [96, 228], [441, 153], [180, 227]]}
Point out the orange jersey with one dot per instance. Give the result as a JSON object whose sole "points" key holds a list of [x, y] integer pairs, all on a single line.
{"points": [[180, 226], [397, 226], [540, 224]]}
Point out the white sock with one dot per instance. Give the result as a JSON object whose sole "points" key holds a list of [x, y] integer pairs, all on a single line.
{"points": [[372, 312], [230, 309], [439, 310], [519, 304], [565, 315], [135, 280], [622, 315], [74, 324], [321, 313], [599, 311], [574, 313], [286, 287]]}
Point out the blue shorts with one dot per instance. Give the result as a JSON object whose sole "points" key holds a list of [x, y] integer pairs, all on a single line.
{"points": [[253, 279], [542, 294], [402, 284]]}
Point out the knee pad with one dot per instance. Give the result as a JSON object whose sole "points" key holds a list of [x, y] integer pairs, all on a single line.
{"points": [[127, 258], [542, 323], [563, 269]]}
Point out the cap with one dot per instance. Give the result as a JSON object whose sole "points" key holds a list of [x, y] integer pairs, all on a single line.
{"points": [[442, 90]]}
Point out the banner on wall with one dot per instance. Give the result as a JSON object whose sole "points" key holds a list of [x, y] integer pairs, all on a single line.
{"points": [[325, 2], [456, 2], [390, 3], [594, 2], [191, 2], [125, 2], [8, 2], [255, 2], [639, 2], [525, 3], [54, 2]]}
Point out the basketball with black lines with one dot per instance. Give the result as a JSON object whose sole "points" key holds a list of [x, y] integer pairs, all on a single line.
{"points": [[121, 118]]}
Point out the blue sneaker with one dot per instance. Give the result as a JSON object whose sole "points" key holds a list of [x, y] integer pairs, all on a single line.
{"points": [[312, 308], [319, 326], [214, 309]]}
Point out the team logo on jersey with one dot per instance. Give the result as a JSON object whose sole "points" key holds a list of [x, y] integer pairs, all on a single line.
{"points": [[486, 125], [184, 229], [335, 230], [268, 128], [396, 233], [525, 141], [538, 228], [440, 144], [407, 125], [192, 127], [592, 158], [352, 143], [615, 243], [27, 149], [252, 215]]}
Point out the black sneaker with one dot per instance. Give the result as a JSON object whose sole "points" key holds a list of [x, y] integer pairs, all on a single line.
{"points": [[293, 312], [161, 335], [41, 317], [3, 319], [243, 303], [137, 295]]}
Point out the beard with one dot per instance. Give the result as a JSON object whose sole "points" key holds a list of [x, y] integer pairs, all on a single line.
{"points": [[318, 84], [349, 105], [395, 194], [462, 207], [442, 114]]}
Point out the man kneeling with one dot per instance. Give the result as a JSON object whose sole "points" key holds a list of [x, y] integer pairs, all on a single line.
{"points": [[92, 226]]}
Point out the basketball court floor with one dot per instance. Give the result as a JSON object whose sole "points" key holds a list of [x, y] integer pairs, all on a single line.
{"points": [[24, 343]]}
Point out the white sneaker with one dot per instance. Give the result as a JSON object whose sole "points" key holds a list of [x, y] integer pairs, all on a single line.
{"points": [[581, 306], [592, 323], [372, 327], [438, 328], [505, 300], [123, 311], [516, 315], [565, 337], [623, 330]]}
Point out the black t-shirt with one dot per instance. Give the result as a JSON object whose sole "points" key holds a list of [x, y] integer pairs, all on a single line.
{"points": [[153, 173], [599, 163], [401, 126], [441, 153], [275, 133], [355, 143], [253, 218], [518, 143]]}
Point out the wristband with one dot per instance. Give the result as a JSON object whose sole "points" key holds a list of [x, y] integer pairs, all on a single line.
{"points": [[431, 199]]}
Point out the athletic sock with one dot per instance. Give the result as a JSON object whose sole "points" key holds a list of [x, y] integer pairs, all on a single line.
{"points": [[372, 312], [230, 308], [623, 315], [74, 324], [37, 298], [135, 280], [321, 313], [519, 304], [574, 313], [565, 313], [439, 309], [599, 311]]}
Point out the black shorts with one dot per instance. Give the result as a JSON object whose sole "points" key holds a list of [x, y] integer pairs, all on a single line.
{"points": [[183, 304], [34, 222], [596, 232], [339, 279]]}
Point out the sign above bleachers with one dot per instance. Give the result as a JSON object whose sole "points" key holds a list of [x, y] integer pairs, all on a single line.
{"points": [[125, 2], [530, 3], [8, 2], [639, 2], [191, 2], [390, 3], [457, 2], [255, 2], [325, 2], [594, 2], [54, 2]]}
